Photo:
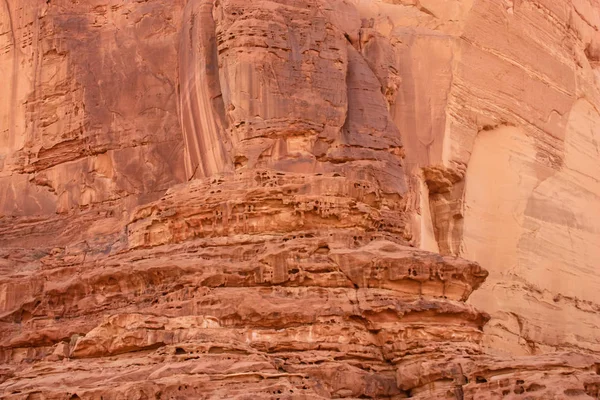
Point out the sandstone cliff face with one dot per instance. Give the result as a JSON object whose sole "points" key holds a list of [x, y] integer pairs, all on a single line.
{"points": [[278, 199]]}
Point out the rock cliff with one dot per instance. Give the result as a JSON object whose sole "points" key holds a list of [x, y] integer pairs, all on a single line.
{"points": [[299, 199]]}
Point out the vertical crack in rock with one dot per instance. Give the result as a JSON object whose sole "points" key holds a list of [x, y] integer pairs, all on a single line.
{"points": [[203, 121], [12, 78], [445, 193]]}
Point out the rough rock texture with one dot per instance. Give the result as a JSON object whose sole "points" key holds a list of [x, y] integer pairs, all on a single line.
{"points": [[278, 199]]}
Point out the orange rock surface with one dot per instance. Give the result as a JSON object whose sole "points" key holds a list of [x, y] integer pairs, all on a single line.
{"points": [[299, 199]]}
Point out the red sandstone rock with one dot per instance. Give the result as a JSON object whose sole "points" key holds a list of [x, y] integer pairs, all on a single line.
{"points": [[278, 199]]}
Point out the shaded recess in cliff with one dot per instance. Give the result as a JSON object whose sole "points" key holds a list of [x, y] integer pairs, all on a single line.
{"points": [[94, 96]]}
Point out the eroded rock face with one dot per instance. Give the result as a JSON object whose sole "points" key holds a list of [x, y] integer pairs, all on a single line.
{"points": [[226, 199]]}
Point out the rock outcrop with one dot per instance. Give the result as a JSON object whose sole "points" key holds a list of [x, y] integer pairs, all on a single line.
{"points": [[299, 199]]}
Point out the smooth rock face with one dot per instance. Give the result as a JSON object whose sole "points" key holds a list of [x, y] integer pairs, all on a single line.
{"points": [[299, 199]]}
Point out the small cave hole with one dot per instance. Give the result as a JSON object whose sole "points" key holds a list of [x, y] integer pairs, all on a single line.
{"points": [[519, 390], [534, 387], [240, 161]]}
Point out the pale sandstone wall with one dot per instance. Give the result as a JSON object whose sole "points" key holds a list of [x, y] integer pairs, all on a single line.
{"points": [[498, 107]]}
